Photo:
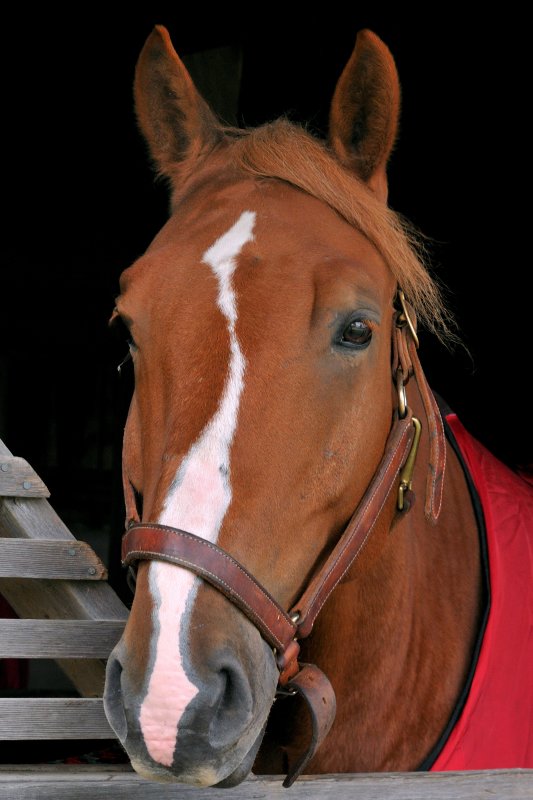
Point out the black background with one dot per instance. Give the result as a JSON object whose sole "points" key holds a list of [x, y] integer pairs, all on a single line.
{"points": [[80, 204]]}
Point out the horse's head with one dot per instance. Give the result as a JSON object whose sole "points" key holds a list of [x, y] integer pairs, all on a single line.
{"points": [[260, 320]]}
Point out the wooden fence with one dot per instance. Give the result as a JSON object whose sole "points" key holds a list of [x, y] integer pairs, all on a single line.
{"points": [[68, 612]]}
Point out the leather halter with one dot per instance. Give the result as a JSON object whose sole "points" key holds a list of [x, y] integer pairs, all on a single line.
{"points": [[281, 629]]}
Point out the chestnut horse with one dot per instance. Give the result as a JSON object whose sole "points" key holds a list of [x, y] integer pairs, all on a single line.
{"points": [[269, 459]]}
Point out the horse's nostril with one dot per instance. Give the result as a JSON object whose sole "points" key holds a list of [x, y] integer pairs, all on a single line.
{"points": [[113, 700], [234, 707], [230, 686]]}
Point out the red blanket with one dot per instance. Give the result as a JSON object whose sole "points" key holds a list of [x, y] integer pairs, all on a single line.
{"points": [[495, 727]]}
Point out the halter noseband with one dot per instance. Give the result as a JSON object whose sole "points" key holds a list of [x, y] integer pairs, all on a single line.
{"points": [[145, 541]]}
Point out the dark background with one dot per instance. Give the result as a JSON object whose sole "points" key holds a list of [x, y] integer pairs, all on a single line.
{"points": [[80, 204]]}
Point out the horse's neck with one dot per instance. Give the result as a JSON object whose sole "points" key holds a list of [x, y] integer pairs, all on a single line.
{"points": [[396, 638]]}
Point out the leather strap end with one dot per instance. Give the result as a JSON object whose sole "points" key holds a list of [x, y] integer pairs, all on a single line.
{"points": [[317, 692], [437, 443]]}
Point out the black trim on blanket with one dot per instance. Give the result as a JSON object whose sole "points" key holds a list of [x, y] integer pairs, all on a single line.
{"points": [[485, 577]]}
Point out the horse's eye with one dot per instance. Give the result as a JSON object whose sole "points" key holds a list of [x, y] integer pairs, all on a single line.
{"points": [[357, 334]]}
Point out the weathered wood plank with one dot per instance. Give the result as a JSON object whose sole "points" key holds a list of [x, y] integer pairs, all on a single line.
{"points": [[49, 599], [18, 479], [53, 718], [37, 638], [59, 600], [31, 519], [61, 782], [36, 519], [40, 598], [67, 600], [58, 560]]}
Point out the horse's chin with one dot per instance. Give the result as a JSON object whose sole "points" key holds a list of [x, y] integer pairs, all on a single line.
{"points": [[245, 767], [202, 777], [151, 772]]}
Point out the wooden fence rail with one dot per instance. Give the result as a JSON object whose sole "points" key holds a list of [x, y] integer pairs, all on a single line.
{"points": [[49, 718], [120, 783], [40, 587], [61, 560], [72, 638], [57, 586]]}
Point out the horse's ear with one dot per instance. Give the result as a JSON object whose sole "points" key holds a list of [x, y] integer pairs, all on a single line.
{"points": [[364, 111], [174, 119]]}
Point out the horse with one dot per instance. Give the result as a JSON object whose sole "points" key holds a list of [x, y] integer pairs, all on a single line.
{"points": [[320, 585]]}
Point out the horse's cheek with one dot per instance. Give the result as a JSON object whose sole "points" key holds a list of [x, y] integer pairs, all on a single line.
{"points": [[132, 447], [139, 630]]}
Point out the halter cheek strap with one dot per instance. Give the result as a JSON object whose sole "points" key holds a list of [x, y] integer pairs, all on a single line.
{"points": [[405, 364]]}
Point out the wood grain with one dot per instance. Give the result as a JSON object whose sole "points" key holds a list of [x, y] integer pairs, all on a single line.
{"points": [[37, 638], [35, 519], [32, 718], [121, 783], [18, 479], [58, 560]]}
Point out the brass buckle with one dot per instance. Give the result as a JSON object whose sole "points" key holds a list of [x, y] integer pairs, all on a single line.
{"points": [[404, 318], [402, 395], [406, 475]]}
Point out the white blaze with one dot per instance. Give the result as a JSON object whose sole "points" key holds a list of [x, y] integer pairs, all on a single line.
{"points": [[197, 501]]}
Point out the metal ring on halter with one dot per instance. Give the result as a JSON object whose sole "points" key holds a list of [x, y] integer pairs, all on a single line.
{"points": [[404, 318], [402, 395]]}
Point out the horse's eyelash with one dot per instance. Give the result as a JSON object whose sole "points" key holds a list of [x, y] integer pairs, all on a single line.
{"points": [[116, 322], [372, 324], [127, 357]]}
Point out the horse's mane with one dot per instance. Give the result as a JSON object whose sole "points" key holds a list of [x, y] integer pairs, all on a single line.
{"points": [[288, 152]]}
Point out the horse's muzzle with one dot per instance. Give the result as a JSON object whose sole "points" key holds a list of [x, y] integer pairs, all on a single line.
{"points": [[216, 739]]}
